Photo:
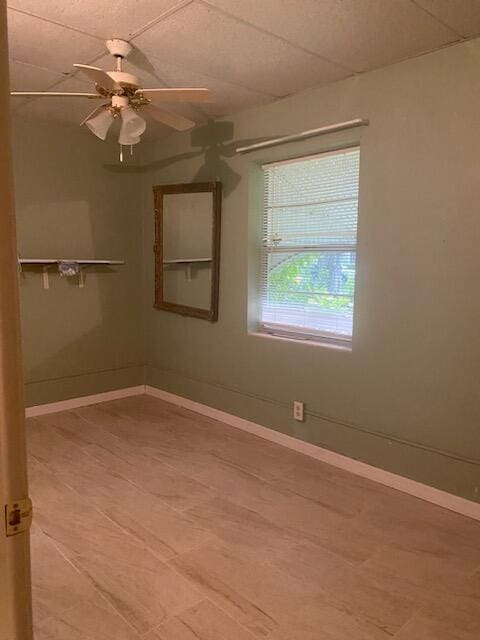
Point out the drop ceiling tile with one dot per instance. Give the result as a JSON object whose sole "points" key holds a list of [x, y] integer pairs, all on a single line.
{"points": [[461, 15], [360, 34], [77, 83], [27, 77], [208, 42], [102, 18], [229, 98], [155, 72], [62, 110], [48, 45], [233, 100]]}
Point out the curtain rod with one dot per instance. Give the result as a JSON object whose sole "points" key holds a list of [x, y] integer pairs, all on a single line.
{"points": [[330, 128]]}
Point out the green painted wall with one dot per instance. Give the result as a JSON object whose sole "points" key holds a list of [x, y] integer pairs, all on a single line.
{"points": [[406, 398], [69, 204]]}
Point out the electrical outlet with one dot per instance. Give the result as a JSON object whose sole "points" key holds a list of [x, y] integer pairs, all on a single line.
{"points": [[298, 410]]}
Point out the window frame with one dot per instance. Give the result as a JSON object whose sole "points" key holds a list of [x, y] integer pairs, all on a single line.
{"points": [[293, 332]]}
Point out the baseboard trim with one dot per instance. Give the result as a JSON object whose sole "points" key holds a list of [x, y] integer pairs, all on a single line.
{"points": [[405, 485], [83, 401]]}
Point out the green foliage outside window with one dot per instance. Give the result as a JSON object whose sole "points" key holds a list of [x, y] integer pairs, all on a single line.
{"points": [[324, 280]]}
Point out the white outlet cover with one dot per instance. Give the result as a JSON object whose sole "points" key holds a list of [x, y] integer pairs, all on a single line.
{"points": [[298, 410]]}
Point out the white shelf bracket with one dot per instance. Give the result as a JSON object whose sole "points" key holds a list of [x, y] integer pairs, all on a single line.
{"points": [[46, 282]]}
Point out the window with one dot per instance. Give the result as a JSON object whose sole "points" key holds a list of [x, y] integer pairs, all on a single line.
{"points": [[309, 246]]}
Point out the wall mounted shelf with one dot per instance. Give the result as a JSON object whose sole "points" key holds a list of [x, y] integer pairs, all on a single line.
{"points": [[188, 262], [66, 266]]}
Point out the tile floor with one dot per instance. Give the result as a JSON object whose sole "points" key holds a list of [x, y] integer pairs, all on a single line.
{"points": [[154, 522]]}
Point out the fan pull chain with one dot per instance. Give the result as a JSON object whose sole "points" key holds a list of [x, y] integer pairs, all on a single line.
{"points": [[121, 152]]}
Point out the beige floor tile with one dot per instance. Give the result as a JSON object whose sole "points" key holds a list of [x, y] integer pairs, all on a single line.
{"points": [[185, 449], [241, 487], [98, 485], [82, 431], [171, 487], [242, 527], [306, 519], [166, 418], [463, 620], [187, 441], [259, 457], [323, 620], [347, 586], [422, 577], [205, 621], [257, 594], [163, 530], [86, 621], [417, 525], [76, 527], [428, 629], [330, 491], [154, 522], [166, 445], [56, 584], [145, 597]]}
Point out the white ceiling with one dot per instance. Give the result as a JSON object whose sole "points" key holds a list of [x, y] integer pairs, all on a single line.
{"points": [[247, 51]]}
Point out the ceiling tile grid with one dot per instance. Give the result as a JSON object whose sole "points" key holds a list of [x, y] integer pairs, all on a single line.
{"points": [[101, 18], [461, 15], [359, 35], [210, 42], [28, 77], [248, 52], [45, 44]]}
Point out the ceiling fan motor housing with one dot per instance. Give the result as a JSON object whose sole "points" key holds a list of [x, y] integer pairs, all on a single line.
{"points": [[119, 101], [119, 48]]}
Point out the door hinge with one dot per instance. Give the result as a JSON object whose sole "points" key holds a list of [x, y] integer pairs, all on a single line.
{"points": [[18, 516]]}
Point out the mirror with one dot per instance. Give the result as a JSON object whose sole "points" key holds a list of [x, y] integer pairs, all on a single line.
{"points": [[187, 248]]}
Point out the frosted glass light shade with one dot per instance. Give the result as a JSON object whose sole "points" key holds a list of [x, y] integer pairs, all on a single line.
{"points": [[125, 139], [100, 124], [132, 127]]}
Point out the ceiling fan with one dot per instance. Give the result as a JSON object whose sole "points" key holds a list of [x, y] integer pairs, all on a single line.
{"points": [[125, 97]]}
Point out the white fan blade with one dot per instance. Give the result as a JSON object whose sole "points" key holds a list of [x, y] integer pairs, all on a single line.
{"points": [[94, 113], [99, 76], [170, 119], [178, 95], [53, 94]]}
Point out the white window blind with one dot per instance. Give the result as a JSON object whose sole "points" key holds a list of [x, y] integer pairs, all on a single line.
{"points": [[309, 245]]}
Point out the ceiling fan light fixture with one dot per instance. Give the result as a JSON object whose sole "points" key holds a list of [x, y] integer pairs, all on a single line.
{"points": [[127, 140], [101, 123], [124, 96], [133, 125]]}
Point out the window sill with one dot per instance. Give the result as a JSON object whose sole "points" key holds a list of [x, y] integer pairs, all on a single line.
{"points": [[312, 342]]}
